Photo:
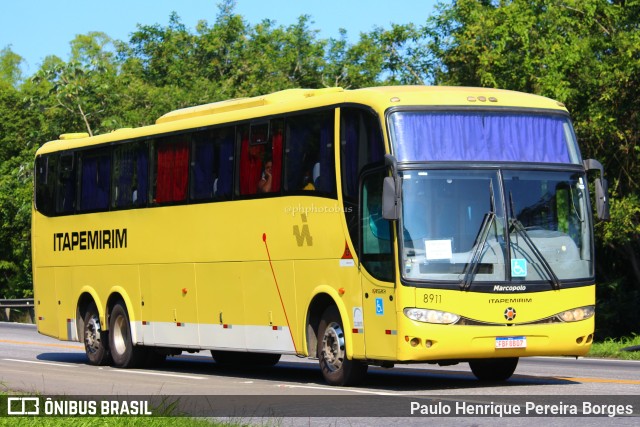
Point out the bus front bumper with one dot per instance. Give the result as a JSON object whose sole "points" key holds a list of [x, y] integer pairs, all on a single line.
{"points": [[430, 342]]}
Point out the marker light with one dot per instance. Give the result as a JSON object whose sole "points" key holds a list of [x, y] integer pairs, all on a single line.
{"points": [[431, 316], [577, 314]]}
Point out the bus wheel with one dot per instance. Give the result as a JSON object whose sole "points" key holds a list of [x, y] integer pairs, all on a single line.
{"points": [[95, 339], [336, 368], [123, 352], [493, 369], [241, 359]]}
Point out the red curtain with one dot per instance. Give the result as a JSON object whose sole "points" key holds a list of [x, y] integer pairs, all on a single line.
{"points": [[250, 166], [172, 172]]}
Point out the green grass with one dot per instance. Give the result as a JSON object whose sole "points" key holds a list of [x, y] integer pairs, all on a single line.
{"points": [[110, 422], [115, 421], [612, 349]]}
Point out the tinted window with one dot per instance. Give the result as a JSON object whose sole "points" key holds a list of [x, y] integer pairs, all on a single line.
{"points": [[130, 175], [212, 164], [171, 169], [95, 180], [66, 188], [309, 158]]}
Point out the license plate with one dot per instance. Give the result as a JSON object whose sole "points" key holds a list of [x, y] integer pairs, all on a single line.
{"points": [[511, 342]]}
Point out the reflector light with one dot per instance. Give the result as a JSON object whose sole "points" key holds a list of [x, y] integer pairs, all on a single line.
{"points": [[347, 252]]}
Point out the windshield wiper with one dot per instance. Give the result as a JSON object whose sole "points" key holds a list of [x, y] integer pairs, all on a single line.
{"points": [[519, 228], [471, 268]]}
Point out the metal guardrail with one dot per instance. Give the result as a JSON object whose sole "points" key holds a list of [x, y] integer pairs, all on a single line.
{"points": [[21, 307]]}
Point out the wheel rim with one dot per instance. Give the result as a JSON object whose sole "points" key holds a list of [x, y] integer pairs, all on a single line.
{"points": [[333, 347], [92, 340], [119, 335]]}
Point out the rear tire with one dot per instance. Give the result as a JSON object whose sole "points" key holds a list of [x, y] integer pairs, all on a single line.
{"points": [[493, 369], [336, 368], [96, 340], [123, 352]]}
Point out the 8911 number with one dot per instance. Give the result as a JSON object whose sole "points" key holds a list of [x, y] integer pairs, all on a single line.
{"points": [[432, 298]]}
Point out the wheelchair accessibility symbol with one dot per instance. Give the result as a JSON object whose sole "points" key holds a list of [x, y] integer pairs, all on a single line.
{"points": [[379, 307], [518, 267]]}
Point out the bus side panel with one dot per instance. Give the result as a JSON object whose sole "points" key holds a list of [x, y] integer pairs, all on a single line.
{"points": [[264, 288], [66, 304], [46, 306], [220, 313], [172, 295], [338, 275], [380, 318]]}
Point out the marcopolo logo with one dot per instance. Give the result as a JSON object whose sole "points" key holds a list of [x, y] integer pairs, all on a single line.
{"points": [[501, 288]]}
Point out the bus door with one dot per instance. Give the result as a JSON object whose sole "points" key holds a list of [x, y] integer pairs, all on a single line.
{"points": [[377, 269]]}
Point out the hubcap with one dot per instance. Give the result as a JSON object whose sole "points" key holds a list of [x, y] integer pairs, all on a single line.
{"points": [[333, 346], [92, 340], [119, 333]]}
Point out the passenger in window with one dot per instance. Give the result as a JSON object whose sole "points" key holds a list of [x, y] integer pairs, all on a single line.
{"points": [[307, 182], [310, 179], [266, 181]]}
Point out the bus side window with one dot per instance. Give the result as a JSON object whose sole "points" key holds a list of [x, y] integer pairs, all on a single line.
{"points": [[309, 158], [261, 156], [172, 169], [66, 188], [130, 175], [250, 163], [361, 143], [376, 253], [95, 180], [212, 164], [45, 181]]}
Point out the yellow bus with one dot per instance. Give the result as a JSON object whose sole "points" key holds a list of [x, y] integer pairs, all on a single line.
{"points": [[357, 227]]}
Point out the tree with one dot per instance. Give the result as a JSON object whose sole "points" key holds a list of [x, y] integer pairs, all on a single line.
{"points": [[585, 54], [10, 72], [85, 86]]}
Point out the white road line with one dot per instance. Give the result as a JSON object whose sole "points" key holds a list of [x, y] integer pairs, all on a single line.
{"points": [[159, 374], [342, 389], [39, 363]]}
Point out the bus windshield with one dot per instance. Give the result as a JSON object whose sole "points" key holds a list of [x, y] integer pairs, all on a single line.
{"points": [[482, 136], [490, 225]]}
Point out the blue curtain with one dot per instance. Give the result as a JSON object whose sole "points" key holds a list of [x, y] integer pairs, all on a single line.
{"points": [[299, 134], [203, 172], [225, 169], [423, 136], [96, 179]]}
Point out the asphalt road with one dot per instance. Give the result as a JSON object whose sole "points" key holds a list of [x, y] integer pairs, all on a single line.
{"points": [[33, 363]]}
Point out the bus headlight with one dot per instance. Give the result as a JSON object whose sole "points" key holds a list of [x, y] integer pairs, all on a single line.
{"points": [[431, 316], [577, 314]]}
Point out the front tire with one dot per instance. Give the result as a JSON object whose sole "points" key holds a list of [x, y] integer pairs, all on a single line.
{"points": [[123, 352], [493, 369], [96, 340], [337, 369]]}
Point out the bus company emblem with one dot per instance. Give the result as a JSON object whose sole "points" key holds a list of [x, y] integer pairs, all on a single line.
{"points": [[510, 313], [90, 240], [304, 235]]}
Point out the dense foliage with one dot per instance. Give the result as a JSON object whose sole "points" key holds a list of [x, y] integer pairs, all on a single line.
{"points": [[584, 53]]}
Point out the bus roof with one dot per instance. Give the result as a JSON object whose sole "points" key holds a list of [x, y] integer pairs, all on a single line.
{"points": [[379, 98]]}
